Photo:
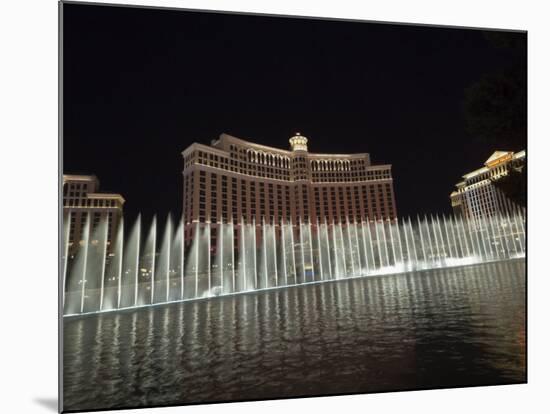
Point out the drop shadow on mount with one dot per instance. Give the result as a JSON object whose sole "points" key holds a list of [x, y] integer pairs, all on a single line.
{"points": [[49, 403]]}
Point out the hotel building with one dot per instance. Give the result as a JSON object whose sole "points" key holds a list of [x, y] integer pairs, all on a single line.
{"points": [[476, 196], [81, 197], [233, 179]]}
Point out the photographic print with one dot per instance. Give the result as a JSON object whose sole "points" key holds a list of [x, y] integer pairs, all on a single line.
{"points": [[258, 207]]}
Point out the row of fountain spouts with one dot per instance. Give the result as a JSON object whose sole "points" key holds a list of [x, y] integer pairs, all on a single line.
{"points": [[472, 243]]}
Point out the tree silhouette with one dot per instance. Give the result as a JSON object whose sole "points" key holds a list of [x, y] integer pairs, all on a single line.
{"points": [[495, 109], [496, 105]]}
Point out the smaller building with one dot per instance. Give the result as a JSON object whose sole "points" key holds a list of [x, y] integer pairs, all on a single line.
{"points": [[81, 197], [477, 196]]}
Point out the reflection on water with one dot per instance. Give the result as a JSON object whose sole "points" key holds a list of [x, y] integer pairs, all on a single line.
{"points": [[449, 327]]}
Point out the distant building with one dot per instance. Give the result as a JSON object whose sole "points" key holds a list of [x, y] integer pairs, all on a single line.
{"points": [[476, 196], [234, 178], [81, 197]]}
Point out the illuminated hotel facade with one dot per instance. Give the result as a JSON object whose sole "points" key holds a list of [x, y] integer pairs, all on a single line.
{"points": [[81, 197], [476, 196], [233, 180]]}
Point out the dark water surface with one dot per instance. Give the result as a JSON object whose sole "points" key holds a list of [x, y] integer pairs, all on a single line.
{"points": [[453, 327]]}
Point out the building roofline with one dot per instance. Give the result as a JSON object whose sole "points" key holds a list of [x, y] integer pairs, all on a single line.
{"points": [[105, 195], [476, 172], [485, 168], [352, 155], [198, 145], [80, 177], [232, 138], [288, 153], [224, 136]]}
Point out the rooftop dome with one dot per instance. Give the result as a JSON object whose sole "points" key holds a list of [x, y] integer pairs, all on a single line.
{"points": [[298, 142]]}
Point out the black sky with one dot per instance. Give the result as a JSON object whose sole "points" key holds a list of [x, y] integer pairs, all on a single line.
{"points": [[140, 85]]}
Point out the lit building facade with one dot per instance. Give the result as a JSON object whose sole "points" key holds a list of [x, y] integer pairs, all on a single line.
{"points": [[476, 196], [234, 179], [81, 197]]}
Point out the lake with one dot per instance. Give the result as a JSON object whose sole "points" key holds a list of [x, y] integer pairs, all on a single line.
{"points": [[428, 329]]}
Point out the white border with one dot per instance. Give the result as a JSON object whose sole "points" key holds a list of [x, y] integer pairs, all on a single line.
{"points": [[28, 98]]}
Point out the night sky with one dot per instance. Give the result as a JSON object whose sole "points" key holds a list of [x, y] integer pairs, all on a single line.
{"points": [[140, 85]]}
